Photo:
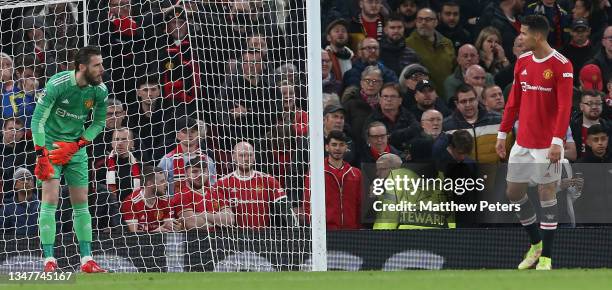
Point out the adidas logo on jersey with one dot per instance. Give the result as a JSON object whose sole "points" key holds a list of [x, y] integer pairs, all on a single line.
{"points": [[65, 101], [524, 73]]}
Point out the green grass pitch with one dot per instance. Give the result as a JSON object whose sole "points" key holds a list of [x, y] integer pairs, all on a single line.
{"points": [[377, 280]]}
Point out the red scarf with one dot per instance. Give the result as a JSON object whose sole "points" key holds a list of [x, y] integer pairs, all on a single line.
{"points": [[377, 154], [111, 173], [372, 101]]}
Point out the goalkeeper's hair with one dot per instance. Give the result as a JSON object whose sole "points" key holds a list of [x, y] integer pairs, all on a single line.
{"points": [[83, 56], [149, 172]]}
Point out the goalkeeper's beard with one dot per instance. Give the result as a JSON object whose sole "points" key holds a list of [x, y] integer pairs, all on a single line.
{"points": [[92, 80]]}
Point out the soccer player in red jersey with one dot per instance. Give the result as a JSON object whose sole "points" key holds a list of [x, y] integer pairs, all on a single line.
{"points": [[541, 99], [254, 196], [194, 206], [147, 209]]}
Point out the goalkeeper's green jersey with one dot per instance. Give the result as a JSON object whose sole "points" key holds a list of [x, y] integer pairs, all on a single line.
{"points": [[61, 112]]}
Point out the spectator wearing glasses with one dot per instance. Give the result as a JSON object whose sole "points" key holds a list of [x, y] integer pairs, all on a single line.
{"points": [[437, 53], [591, 105], [401, 124], [369, 55], [368, 24], [480, 123], [377, 143], [359, 102]]}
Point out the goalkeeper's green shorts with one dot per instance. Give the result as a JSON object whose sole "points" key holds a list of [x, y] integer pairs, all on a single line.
{"points": [[76, 171]]}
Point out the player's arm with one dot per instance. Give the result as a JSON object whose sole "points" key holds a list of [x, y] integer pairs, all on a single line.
{"points": [[510, 113], [43, 108], [192, 220], [43, 169], [512, 107]]}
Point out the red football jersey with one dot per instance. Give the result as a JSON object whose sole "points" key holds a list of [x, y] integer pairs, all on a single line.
{"points": [[188, 198], [250, 197], [541, 98], [134, 210]]}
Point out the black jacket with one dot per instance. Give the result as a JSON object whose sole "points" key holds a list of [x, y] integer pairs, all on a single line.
{"points": [[604, 63], [405, 127], [395, 55]]}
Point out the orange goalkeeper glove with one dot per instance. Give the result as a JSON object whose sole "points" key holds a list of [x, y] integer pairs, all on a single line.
{"points": [[64, 151], [43, 169]]}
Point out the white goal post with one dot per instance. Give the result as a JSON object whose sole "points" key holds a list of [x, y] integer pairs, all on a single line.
{"points": [[190, 82]]}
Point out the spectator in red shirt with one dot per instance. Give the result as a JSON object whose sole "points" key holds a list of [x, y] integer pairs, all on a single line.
{"points": [[343, 188], [254, 197], [147, 209], [368, 24], [195, 206]]}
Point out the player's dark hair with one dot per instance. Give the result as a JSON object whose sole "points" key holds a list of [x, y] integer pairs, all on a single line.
{"points": [[148, 174], [394, 17], [537, 23], [337, 135], [596, 129], [16, 120], [83, 56], [462, 89], [462, 141]]}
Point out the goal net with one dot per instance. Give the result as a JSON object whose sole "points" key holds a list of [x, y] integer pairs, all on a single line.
{"points": [[212, 93]]}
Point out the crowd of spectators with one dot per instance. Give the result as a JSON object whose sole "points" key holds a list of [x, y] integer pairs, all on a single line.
{"points": [[207, 122]]}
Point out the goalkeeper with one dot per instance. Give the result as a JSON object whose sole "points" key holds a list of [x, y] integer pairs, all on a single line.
{"points": [[59, 138]]}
